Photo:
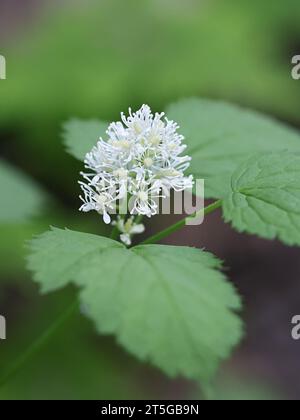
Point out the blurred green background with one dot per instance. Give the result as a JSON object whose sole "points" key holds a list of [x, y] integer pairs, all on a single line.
{"points": [[94, 59]]}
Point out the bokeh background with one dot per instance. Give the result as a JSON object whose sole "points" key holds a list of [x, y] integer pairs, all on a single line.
{"points": [[85, 58]]}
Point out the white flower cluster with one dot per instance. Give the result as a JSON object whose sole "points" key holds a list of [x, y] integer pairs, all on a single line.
{"points": [[141, 161]]}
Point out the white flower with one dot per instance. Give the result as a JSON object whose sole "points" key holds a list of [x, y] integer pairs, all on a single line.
{"points": [[144, 198], [128, 229], [141, 158], [99, 200]]}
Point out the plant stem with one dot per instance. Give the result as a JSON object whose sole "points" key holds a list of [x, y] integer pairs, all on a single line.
{"points": [[179, 225], [38, 344], [139, 219], [114, 233]]}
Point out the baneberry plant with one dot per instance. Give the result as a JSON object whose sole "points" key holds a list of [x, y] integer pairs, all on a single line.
{"points": [[171, 305]]}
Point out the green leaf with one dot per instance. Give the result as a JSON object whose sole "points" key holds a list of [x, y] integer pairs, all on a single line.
{"points": [[21, 198], [81, 135], [265, 197], [221, 136], [58, 254], [169, 305]]}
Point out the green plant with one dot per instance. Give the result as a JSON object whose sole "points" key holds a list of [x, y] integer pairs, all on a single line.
{"points": [[172, 305]]}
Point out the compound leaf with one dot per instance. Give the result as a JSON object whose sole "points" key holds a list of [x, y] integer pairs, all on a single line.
{"points": [[265, 197], [168, 305], [81, 135], [221, 136], [21, 197]]}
